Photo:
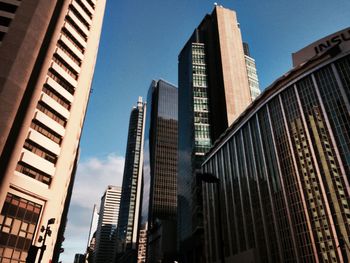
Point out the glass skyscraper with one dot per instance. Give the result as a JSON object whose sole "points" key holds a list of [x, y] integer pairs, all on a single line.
{"points": [[160, 170], [283, 167], [213, 91]]}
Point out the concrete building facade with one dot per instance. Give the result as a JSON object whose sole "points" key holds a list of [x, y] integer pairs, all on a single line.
{"points": [[106, 238], [47, 51]]}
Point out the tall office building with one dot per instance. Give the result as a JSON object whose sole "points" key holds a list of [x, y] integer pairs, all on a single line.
{"points": [[160, 169], [107, 226], [48, 51], [251, 72], [128, 225], [283, 167], [213, 91]]}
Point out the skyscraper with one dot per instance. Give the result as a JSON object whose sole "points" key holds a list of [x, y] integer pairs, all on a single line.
{"points": [[213, 91], [48, 51], [128, 223], [106, 238], [160, 170], [283, 167], [251, 72]]}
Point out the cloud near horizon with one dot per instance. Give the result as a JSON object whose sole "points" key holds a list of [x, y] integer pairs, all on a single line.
{"points": [[92, 178]]}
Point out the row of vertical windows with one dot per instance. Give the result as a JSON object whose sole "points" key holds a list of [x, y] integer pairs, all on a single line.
{"points": [[40, 151], [73, 40], [293, 123], [60, 80], [80, 17], [51, 113], [69, 52], [56, 96], [91, 4], [65, 66], [199, 69], [80, 3], [199, 81], [46, 132], [76, 27], [33, 173]]}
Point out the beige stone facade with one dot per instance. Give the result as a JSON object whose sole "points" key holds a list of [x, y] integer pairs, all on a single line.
{"points": [[235, 78], [47, 58]]}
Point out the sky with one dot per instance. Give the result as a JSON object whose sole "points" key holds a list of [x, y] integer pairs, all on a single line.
{"points": [[140, 41]]}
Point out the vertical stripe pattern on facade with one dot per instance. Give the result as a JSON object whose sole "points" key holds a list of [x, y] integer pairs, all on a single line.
{"points": [[283, 170]]}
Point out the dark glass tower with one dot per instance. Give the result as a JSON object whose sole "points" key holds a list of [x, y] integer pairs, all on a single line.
{"points": [[160, 170], [213, 91], [129, 212]]}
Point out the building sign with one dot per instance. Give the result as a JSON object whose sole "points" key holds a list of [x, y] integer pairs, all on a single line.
{"points": [[341, 38]]}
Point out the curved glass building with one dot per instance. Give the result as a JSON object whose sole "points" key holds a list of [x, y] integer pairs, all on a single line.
{"points": [[284, 166]]}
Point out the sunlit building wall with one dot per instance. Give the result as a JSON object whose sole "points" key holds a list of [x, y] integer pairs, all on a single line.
{"points": [[48, 51], [106, 238], [284, 166]]}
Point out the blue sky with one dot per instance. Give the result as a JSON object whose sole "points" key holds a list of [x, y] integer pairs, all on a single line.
{"points": [[140, 41]]}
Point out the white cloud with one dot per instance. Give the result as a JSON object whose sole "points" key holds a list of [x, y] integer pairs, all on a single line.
{"points": [[93, 177]]}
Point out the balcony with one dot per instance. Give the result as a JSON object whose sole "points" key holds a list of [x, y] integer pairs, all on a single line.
{"points": [[53, 84], [64, 74], [77, 22], [88, 7], [43, 141], [76, 35], [37, 162], [50, 123], [67, 59], [82, 12], [54, 105]]}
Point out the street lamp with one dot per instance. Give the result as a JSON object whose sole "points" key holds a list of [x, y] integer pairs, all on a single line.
{"points": [[212, 179], [48, 232]]}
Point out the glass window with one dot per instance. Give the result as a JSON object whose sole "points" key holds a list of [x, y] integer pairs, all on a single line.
{"points": [[16, 233]]}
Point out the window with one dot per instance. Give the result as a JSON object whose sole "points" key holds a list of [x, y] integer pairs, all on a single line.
{"points": [[46, 132], [56, 96], [33, 173], [18, 221], [51, 113], [40, 151]]}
